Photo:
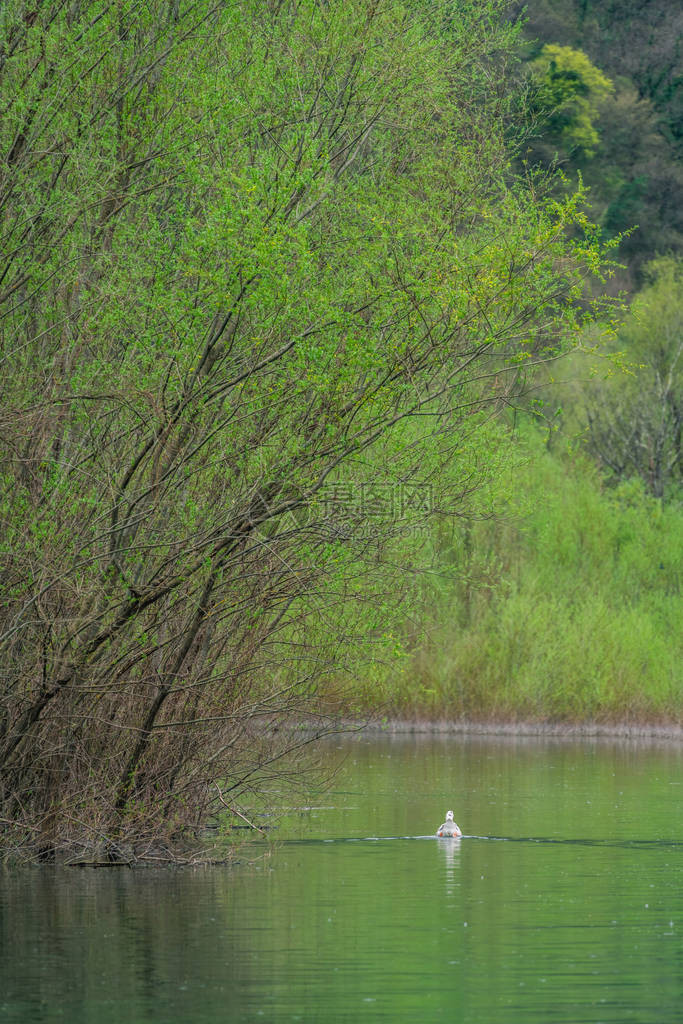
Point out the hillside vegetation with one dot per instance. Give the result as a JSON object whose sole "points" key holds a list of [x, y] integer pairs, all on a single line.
{"points": [[569, 610]]}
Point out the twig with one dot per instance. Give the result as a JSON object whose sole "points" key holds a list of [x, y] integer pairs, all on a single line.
{"points": [[238, 813]]}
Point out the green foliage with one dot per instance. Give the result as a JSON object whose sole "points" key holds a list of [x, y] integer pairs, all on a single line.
{"points": [[632, 422], [653, 332], [570, 612], [635, 39], [569, 92], [634, 173], [249, 252]]}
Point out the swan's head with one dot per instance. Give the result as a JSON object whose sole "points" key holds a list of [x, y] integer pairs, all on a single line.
{"points": [[449, 815]]}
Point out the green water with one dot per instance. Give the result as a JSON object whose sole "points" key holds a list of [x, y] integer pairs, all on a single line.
{"points": [[563, 902]]}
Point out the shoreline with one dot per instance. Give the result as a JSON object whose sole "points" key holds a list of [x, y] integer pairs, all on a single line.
{"points": [[391, 726]]}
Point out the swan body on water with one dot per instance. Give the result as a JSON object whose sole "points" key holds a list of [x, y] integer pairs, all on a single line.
{"points": [[449, 829]]}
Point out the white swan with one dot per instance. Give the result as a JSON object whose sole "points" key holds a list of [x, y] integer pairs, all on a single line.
{"points": [[449, 827]]}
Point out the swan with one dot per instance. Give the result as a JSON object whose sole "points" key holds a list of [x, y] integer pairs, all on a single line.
{"points": [[449, 827]]}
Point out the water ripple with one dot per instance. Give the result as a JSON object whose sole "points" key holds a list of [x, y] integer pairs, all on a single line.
{"points": [[626, 844]]}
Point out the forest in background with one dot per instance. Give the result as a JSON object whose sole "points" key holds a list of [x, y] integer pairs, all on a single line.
{"points": [[319, 395], [615, 100]]}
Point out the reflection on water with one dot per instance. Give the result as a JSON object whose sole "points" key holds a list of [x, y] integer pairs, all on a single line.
{"points": [[450, 849], [564, 902]]}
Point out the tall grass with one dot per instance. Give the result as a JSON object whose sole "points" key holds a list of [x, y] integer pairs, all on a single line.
{"points": [[568, 610]]}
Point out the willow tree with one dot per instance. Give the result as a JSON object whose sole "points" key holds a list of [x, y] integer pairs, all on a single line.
{"points": [[254, 256]]}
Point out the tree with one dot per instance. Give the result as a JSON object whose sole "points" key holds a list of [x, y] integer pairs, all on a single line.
{"points": [[634, 39], [633, 134], [568, 93], [634, 427], [251, 254]]}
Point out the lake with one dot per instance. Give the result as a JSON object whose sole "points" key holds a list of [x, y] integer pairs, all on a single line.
{"points": [[562, 902]]}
